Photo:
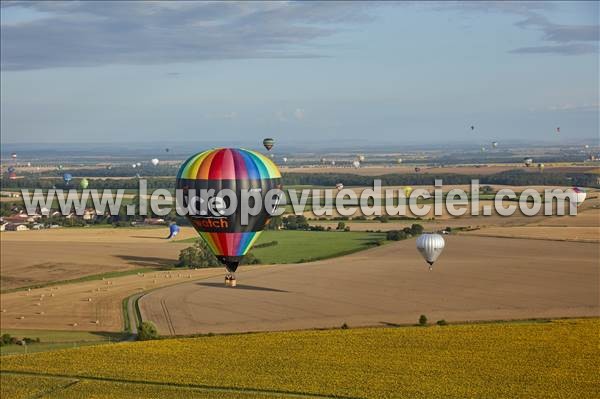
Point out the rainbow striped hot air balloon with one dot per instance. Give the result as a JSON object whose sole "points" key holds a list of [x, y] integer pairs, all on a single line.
{"points": [[222, 228]]}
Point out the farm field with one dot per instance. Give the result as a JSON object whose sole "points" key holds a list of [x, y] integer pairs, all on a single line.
{"points": [[555, 359], [477, 278], [367, 170]]}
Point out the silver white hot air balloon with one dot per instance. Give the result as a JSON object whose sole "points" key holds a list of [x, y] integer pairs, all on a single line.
{"points": [[430, 246], [155, 161], [361, 158], [356, 164], [284, 159]]}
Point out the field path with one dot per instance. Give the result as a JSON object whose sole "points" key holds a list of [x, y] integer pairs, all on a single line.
{"points": [[477, 278]]}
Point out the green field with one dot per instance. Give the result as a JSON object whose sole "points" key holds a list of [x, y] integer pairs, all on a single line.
{"points": [[532, 359], [306, 246], [54, 340]]}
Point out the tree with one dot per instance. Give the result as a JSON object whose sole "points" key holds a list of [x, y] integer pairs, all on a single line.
{"points": [[147, 331], [341, 226], [416, 229], [199, 255], [395, 235], [423, 320]]}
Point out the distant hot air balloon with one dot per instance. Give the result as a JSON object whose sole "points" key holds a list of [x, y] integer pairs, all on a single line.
{"points": [[155, 161], [84, 183], [407, 191], [430, 246], [13, 155], [528, 162], [268, 143], [483, 149], [133, 165], [361, 158], [586, 146], [356, 164], [139, 164], [399, 160], [339, 186], [541, 167], [557, 130], [494, 144], [417, 169], [108, 167], [28, 164], [67, 177], [332, 163], [173, 230], [284, 160], [579, 196], [234, 169], [472, 127], [167, 150]]}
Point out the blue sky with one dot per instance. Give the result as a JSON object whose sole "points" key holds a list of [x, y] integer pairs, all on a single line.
{"points": [[394, 72]]}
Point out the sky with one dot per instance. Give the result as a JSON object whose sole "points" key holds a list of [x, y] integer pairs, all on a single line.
{"points": [[111, 72]]}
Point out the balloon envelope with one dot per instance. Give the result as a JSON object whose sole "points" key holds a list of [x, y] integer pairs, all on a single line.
{"points": [[356, 164], [67, 177], [339, 186], [173, 230], [155, 161], [84, 183], [430, 246], [268, 143], [236, 170], [579, 196]]}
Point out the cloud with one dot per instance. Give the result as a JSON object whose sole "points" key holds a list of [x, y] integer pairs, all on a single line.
{"points": [[97, 33], [562, 39], [575, 107], [564, 49], [299, 113]]}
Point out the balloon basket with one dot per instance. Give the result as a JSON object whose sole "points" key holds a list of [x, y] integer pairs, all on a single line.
{"points": [[230, 281]]}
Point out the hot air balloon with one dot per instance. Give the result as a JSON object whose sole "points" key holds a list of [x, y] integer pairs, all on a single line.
{"points": [[139, 164], [13, 155], [399, 160], [173, 230], [361, 158], [586, 146], [109, 167], [472, 127], [528, 162], [407, 191], [482, 149], [284, 160], [356, 164], [430, 246], [579, 195], [332, 163], [323, 160], [67, 177], [417, 169], [339, 186], [558, 130], [28, 164], [237, 170], [167, 150], [133, 165], [541, 167], [268, 143], [84, 183], [494, 144], [154, 161]]}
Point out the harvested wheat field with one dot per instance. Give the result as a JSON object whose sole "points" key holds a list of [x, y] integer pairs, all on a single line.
{"points": [[77, 306], [37, 257], [477, 278]]}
